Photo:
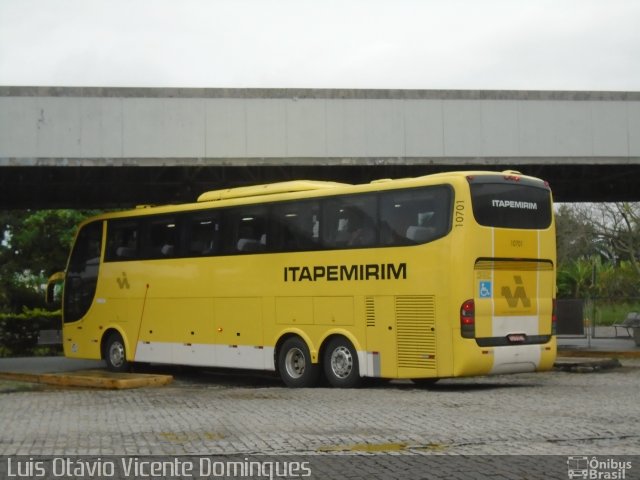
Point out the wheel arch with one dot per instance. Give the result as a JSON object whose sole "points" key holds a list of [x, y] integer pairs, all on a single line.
{"points": [[287, 334], [341, 337], [105, 336], [335, 334], [316, 350]]}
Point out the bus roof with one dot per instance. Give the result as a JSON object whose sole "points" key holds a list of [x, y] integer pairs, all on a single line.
{"points": [[280, 191], [267, 189]]}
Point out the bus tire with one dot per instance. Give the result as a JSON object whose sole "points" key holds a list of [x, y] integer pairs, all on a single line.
{"points": [[294, 364], [341, 367], [115, 353]]}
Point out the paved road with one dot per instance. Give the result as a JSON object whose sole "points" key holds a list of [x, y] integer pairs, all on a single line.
{"points": [[214, 413]]}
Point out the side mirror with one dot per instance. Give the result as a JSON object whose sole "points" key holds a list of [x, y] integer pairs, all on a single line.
{"points": [[54, 288]]}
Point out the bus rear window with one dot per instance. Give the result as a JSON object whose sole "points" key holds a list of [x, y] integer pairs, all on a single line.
{"points": [[509, 205]]}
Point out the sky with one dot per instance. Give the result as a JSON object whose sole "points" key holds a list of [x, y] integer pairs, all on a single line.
{"points": [[404, 44]]}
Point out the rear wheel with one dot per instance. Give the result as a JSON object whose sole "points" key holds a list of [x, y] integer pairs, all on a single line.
{"points": [[115, 354], [341, 366], [294, 364]]}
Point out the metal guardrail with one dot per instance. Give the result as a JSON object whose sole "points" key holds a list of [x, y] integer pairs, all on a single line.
{"points": [[50, 337]]}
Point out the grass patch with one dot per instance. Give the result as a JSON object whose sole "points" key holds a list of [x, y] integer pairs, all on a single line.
{"points": [[608, 312]]}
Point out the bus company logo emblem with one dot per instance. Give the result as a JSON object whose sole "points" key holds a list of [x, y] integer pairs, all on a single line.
{"points": [[123, 281], [519, 294], [514, 204], [333, 273]]}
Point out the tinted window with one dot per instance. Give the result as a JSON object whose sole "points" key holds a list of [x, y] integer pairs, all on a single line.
{"points": [[122, 240], [203, 231], [350, 221], [161, 238], [414, 216], [247, 228], [294, 226], [388, 218], [511, 205], [82, 273]]}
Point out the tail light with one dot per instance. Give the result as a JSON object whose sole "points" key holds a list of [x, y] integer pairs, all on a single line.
{"points": [[468, 319], [554, 317]]}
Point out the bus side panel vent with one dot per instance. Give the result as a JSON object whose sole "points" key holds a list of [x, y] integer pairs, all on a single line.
{"points": [[416, 321], [370, 311]]}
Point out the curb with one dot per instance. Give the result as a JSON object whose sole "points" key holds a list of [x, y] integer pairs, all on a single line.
{"points": [[92, 379], [569, 352]]}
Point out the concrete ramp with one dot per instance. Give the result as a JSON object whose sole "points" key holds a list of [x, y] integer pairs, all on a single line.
{"points": [[91, 379]]}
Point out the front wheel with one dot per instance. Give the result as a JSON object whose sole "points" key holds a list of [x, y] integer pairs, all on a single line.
{"points": [[115, 354], [294, 364], [341, 364]]}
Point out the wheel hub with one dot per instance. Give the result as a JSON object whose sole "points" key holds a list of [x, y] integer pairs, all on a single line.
{"points": [[295, 363], [116, 354], [341, 362]]}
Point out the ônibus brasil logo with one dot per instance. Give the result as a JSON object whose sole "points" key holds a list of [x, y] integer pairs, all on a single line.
{"points": [[598, 469]]}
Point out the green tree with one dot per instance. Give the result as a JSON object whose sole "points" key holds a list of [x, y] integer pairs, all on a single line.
{"points": [[604, 236], [34, 245], [575, 235], [616, 228], [617, 281], [575, 278]]}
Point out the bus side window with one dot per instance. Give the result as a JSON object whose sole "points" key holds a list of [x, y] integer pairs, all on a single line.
{"points": [[160, 238], [350, 222], [203, 234], [294, 226], [249, 227], [122, 240], [415, 216]]}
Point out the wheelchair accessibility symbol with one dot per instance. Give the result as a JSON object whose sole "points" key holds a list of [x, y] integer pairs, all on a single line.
{"points": [[485, 289]]}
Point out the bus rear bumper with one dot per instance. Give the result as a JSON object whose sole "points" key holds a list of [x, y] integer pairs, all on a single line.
{"points": [[523, 358], [506, 359], [516, 359]]}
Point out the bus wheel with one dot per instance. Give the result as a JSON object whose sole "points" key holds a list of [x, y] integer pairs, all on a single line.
{"points": [[341, 364], [115, 354], [294, 364]]}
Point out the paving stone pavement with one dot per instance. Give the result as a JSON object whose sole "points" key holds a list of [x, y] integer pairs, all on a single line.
{"points": [[204, 413]]}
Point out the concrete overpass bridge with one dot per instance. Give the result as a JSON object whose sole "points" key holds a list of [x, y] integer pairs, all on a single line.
{"points": [[116, 147]]}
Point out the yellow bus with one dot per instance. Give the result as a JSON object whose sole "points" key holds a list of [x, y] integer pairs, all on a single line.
{"points": [[444, 275]]}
